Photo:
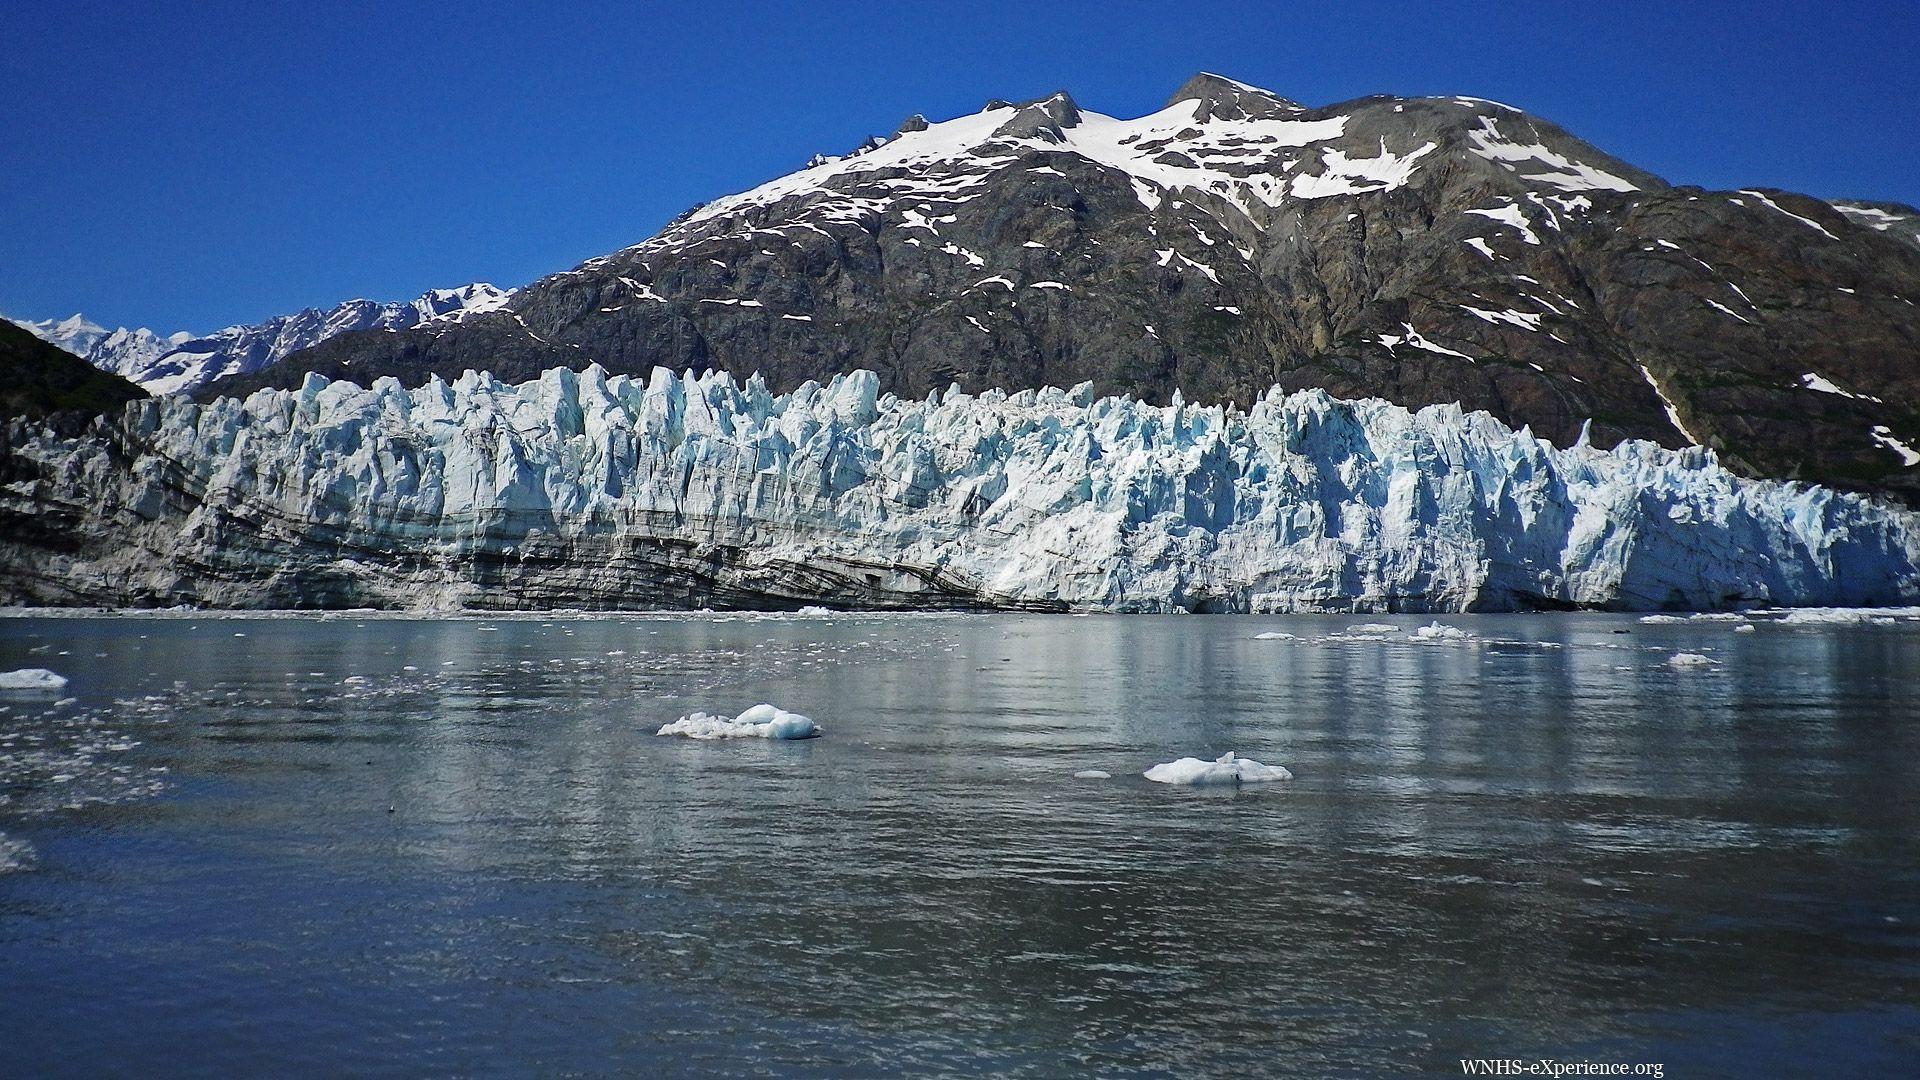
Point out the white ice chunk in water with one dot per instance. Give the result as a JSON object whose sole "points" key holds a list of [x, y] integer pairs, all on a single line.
{"points": [[1275, 635], [33, 678], [1434, 633], [1373, 628], [760, 722], [1092, 774], [1228, 768], [1689, 660], [1841, 617]]}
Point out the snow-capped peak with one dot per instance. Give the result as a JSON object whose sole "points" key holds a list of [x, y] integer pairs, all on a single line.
{"points": [[1221, 98], [75, 324], [1216, 140], [453, 305], [76, 333]]}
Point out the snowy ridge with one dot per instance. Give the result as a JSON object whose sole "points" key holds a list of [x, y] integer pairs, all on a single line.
{"points": [[1217, 140], [181, 361], [124, 351], [1047, 498]]}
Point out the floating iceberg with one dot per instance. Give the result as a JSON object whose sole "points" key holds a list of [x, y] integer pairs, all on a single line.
{"points": [[580, 489], [1275, 635], [32, 678], [760, 722], [1841, 617], [1228, 768], [1092, 774], [1689, 660], [1436, 634]]}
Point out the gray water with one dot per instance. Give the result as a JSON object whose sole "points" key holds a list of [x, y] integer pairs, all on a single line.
{"points": [[455, 847]]}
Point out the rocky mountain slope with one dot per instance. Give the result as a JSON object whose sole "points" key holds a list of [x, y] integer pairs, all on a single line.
{"points": [[182, 361], [590, 491], [1419, 250], [38, 380]]}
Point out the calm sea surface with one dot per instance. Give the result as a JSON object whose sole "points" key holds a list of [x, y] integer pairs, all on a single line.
{"points": [[302, 846]]}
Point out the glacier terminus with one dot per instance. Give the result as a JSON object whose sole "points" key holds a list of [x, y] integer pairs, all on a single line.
{"points": [[580, 489]]}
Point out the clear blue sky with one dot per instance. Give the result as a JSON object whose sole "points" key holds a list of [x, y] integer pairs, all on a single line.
{"points": [[187, 166]]}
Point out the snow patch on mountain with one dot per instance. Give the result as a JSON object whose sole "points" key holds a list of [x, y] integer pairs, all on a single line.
{"points": [[1562, 172], [1881, 434], [1901, 221], [1819, 383], [1343, 175]]}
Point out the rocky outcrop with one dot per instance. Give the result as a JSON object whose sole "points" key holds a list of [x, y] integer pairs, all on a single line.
{"points": [[580, 490], [1424, 251]]}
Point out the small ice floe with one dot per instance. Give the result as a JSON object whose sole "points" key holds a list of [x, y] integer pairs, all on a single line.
{"points": [[1275, 635], [760, 722], [1228, 768], [1744, 628], [1092, 774], [1689, 660], [1838, 617], [1655, 620], [815, 609], [1436, 634], [32, 678], [1373, 628]]}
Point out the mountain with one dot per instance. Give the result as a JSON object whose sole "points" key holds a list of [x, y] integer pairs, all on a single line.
{"points": [[183, 361], [1420, 250], [38, 380], [683, 491], [125, 352]]}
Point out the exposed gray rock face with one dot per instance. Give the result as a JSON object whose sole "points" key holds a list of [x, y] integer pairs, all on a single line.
{"points": [[589, 491], [1420, 250]]}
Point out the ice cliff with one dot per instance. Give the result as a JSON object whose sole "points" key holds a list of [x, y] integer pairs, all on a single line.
{"points": [[583, 490]]}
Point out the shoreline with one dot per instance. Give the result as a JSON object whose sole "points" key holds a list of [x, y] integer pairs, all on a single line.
{"points": [[1774, 613]]}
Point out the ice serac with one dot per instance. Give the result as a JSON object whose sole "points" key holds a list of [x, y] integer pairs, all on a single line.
{"points": [[584, 490]]}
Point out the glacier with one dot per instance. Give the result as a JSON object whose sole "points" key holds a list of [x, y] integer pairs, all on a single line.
{"points": [[683, 490]]}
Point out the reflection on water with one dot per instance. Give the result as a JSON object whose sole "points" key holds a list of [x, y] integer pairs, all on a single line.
{"points": [[334, 843]]}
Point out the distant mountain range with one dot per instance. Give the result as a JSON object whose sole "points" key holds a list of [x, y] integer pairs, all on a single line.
{"points": [[1421, 250], [183, 361]]}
